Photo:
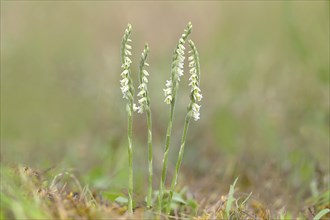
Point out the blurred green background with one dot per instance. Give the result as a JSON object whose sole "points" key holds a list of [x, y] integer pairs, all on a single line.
{"points": [[265, 82]]}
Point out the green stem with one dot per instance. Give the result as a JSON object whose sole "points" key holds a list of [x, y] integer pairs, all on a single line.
{"points": [[175, 83], [130, 159], [167, 147], [178, 163], [149, 123]]}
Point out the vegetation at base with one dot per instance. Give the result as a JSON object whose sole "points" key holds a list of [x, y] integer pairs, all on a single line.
{"points": [[28, 193]]}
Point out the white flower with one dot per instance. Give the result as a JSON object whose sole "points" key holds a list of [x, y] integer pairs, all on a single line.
{"points": [[124, 90], [192, 70], [180, 73], [145, 79], [169, 83], [196, 95], [168, 91], [195, 107], [135, 107], [140, 110], [195, 111], [143, 100], [196, 115], [128, 61], [128, 53], [145, 72], [143, 93], [168, 99], [124, 73], [124, 82], [177, 67]]}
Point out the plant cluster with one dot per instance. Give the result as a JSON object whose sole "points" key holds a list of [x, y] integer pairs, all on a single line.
{"points": [[143, 106]]}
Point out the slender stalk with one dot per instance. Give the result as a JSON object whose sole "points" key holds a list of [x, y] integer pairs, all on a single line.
{"points": [[192, 112], [144, 106], [130, 161], [170, 93], [167, 147], [178, 163], [149, 124], [127, 89]]}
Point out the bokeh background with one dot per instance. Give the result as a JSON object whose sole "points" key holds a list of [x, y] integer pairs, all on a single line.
{"points": [[265, 81]]}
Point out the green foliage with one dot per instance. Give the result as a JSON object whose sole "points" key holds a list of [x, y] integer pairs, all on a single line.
{"points": [[180, 201], [321, 213], [18, 197], [231, 198]]}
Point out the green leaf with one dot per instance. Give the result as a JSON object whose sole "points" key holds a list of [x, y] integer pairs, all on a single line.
{"points": [[246, 199], [321, 214], [112, 196], [178, 198], [193, 204], [122, 200], [230, 197]]}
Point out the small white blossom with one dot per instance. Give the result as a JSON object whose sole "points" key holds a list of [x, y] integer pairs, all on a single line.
{"points": [[143, 86], [128, 61], [195, 107], [196, 115], [196, 95], [177, 67], [168, 99], [135, 107], [169, 83], [124, 90], [143, 100], [168, 91], [195, 111], [143, 93], [126, 81], [145, 79], [145, 72]]}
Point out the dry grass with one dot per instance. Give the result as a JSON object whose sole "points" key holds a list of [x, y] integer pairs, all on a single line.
{"points": [[32, 194]]}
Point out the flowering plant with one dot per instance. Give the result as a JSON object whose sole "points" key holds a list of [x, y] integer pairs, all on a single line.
{"points": [[143, 105]]}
